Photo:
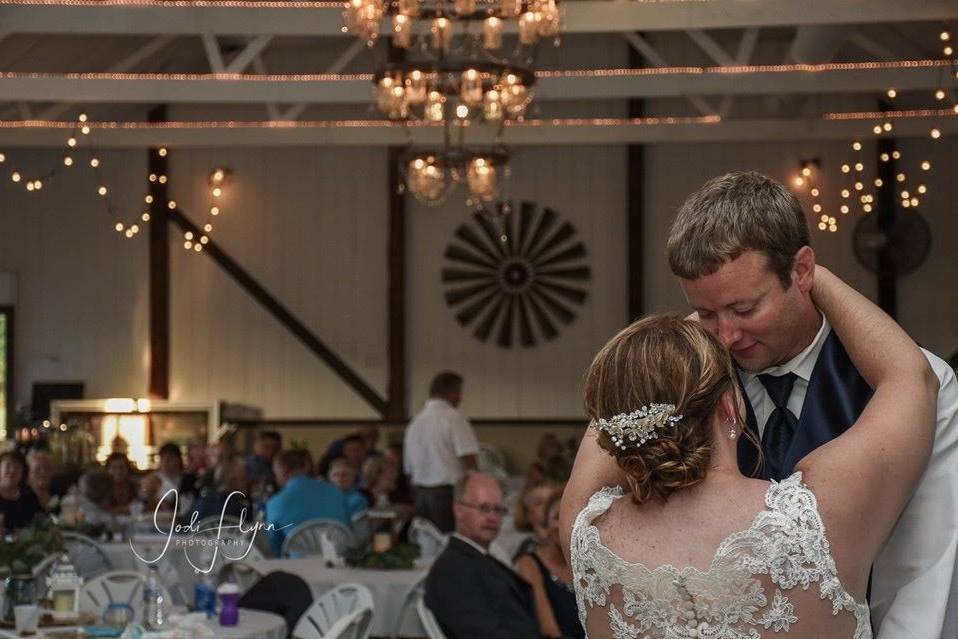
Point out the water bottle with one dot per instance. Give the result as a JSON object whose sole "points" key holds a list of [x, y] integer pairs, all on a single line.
{"points": [[154, 617], [204, 596]]}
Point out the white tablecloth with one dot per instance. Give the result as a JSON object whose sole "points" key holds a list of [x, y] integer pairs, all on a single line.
{"points": [[253, 624], [388, 587]]}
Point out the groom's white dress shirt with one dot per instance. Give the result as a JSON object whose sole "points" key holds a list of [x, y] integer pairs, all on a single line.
{"points": [[914, 590]]}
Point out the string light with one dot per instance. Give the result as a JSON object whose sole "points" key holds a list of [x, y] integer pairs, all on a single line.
{"points": [[892, 93], [94, 162], [67, 161]]}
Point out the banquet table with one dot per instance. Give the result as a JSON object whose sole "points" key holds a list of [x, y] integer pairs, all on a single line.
{"points": [[388, 587], [253, 624]]}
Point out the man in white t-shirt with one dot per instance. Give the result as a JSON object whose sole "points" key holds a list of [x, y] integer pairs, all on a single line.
{"points": [[439, 448]]}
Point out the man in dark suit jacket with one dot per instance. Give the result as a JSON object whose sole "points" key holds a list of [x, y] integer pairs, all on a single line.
{"points": [[473, 595]]}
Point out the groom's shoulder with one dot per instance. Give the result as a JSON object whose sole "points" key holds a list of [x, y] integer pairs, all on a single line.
{"points": [[943, 371]]}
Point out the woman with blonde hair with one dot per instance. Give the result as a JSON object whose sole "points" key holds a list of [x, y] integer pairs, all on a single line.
{"points": [[695, 548], [545, 568]]}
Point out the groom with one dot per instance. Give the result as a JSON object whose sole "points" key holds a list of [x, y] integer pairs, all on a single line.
{"points": [[740, 246]]}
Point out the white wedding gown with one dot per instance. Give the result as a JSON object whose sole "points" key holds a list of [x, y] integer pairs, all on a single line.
{"points": [[775, 577]]}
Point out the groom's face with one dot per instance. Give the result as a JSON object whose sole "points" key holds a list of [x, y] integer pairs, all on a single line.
{"points": [[745, 305]]}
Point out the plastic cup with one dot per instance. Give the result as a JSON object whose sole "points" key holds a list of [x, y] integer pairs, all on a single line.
{"points": [[26, 618]]}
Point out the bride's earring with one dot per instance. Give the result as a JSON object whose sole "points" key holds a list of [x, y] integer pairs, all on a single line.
{"points": [[731, 429]]}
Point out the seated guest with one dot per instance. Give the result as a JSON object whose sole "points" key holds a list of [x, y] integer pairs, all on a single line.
{"points": [[547, 571], [300, 497], [473, 595], [90, 502], [259, 465], [167, 477], [124, 489], [352, 447], [551, 463], [370, 436], [530, 514], [229, 476], [41, 469], [382, 491], [379, 481], [18, 504], [342, 475]]}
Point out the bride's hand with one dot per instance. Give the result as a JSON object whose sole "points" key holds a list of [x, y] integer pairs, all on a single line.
{"points": [[824, 280]]}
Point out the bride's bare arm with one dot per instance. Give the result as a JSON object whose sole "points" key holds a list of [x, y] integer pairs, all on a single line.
{"points": [[593, 469], [864, 478]]}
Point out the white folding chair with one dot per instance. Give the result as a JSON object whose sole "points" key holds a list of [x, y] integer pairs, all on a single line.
{"points": [[429, 622], [345, 612], [305, 539], [491, 460], [241, 573], [88, 558], [428, 537], [117, 586], [409, 601]]}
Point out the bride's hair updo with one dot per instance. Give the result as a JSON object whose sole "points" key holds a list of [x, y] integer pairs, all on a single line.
{"points": [[661, 359]]}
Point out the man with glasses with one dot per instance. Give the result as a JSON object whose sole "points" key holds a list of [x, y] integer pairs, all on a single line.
{"points": [[473, 595]]}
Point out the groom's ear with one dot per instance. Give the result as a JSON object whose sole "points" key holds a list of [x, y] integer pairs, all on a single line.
{"points": [[803, 270]]}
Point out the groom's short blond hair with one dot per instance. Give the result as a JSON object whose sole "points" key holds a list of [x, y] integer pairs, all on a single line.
{"points": [[732, 214]]}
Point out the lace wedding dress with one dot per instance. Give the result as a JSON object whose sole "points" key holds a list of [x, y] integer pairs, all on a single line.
{"points": [[777, 576]]}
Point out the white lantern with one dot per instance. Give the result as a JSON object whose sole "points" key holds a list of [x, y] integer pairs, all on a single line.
{"points": [[64, 586]]}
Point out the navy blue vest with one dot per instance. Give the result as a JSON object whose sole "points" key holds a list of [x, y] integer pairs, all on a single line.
{"points": [[836, 396]]}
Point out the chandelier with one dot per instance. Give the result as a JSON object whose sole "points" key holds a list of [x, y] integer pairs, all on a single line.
{"points": [[432, 174], [453, 81], [534, 19]]}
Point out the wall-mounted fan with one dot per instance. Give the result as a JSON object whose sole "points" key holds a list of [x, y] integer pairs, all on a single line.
{"points": [[518, 275], [908, 242]]}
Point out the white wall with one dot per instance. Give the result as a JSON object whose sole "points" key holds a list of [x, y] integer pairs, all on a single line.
{"points": [[585, 186], [310, 226], [81, 307]]}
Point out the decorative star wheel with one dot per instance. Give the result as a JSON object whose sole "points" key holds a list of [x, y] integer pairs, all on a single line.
{"points": [[518, 275]]}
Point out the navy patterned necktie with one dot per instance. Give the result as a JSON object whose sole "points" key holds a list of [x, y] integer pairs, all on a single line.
{"points": [[781, 424]]}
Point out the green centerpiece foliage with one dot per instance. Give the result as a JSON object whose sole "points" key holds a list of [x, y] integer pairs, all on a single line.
{"points": [[31, 546], [399, 557]]}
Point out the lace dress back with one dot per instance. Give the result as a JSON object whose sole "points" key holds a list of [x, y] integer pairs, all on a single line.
{"points": [[777, 576]]}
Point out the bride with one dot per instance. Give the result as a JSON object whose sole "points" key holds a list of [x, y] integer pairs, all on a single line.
{"points": [[691, 547]]}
